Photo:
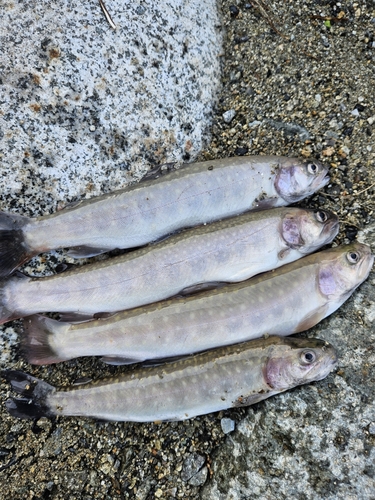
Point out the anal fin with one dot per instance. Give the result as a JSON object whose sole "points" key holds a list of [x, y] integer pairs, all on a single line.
{"points": [[312, 319]]}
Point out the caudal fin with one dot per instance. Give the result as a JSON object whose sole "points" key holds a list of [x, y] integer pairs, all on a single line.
{"points": [[7, 312], [13, 249], [34, 403], [38, 330]]}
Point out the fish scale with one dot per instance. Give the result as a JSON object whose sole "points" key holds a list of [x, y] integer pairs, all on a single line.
{"points": [[196, 194], [138, 210], [237, 375], [229, 250], [290, 299]]}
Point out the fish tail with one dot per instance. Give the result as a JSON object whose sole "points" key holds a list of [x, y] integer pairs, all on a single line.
{"points": [[35, 392], [38, 330], [13, 249], [7, 312]]}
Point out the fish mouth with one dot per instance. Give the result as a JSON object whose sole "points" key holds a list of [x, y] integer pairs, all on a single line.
{"points": [[366, 264], [329, 364], [332, 227], [326, 180], [332, 362], [320, 181], [369, 263]]}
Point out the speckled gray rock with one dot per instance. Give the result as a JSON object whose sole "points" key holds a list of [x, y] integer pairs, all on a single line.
{"points": [[194, 471], [82, 104]]}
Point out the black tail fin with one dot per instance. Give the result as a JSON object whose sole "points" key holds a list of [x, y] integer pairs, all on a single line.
{"points": [[35, 391], [13, 250], [37, 331]]}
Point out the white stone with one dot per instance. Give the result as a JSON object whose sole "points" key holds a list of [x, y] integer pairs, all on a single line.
{"points": [[227, 425], [229, 115]]}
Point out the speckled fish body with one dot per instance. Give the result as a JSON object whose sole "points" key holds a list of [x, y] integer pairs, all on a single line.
{"points": [[238, 375], [291, 299], [229, 250], [145, 212]]}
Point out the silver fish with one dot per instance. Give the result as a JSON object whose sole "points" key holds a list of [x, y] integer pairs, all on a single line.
{"points": [[233, 376], [291, 299], [145, 212], [230, 250]]}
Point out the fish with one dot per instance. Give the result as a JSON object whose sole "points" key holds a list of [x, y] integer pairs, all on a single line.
{"points": [[148, 211], [233, 376], [282, 302], [226, 251]]}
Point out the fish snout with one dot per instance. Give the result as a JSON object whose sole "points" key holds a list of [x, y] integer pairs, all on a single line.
{"points": [[333, 224], [326, 179]]}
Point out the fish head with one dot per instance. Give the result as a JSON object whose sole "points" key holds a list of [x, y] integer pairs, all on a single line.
{"points": [[296, 179], [297, 362], [307, 230], [343, 269]]}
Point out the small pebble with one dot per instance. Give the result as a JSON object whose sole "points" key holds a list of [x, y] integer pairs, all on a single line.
{"points": [[193, 470], [254, 124], [351, 232], [241, 151], [229, 115], [227, 425], [234, 11]]}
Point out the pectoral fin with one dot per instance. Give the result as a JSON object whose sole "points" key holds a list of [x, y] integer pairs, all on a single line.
{"points": [[312, 319]]}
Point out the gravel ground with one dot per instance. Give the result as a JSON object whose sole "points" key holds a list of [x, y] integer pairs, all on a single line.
{"points": [[298, 79]]}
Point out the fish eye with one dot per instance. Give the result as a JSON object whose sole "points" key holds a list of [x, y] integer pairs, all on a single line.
{"points": [[321, 216], [312, 168], [308, 357], [352, 257]]}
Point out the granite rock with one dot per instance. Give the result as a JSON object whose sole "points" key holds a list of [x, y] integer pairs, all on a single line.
{"points": [[84, 106]]}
